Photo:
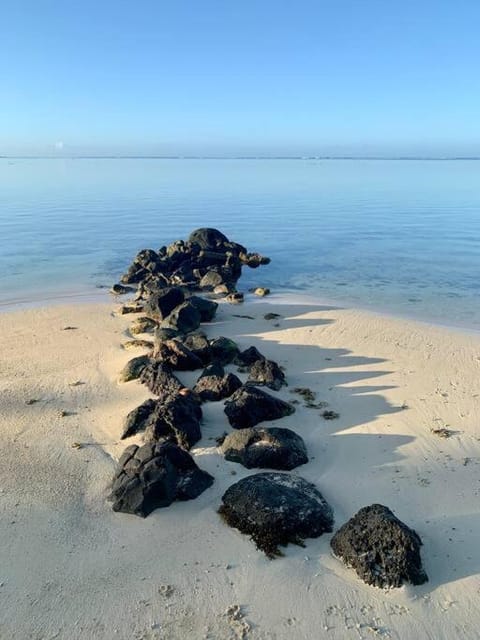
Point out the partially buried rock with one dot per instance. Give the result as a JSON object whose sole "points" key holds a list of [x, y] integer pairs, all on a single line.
{"points": [[261, 291], [159, 378], [154, 476], [269, 448], [177, 356], [138, 344], [276, 509], [268, 373], [143, 325], [383, 550], [234, 298], [248, 406], [185, 318], [138, 418], [214, 384], [176, 418], [133, 369]]}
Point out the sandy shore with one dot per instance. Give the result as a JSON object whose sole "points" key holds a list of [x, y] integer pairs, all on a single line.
{"points": [[71, 568]]}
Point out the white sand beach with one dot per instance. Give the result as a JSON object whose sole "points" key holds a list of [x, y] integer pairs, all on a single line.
{"points": [[71, 568]]}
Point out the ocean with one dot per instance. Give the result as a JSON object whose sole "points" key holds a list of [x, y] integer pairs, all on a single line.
{"points": [[396, 236]]}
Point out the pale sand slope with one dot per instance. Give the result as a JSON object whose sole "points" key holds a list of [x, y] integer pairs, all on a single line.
{"points": [[71, 568]]}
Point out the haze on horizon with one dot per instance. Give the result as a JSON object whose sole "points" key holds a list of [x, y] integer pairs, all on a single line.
{"points": [[251, 78]]}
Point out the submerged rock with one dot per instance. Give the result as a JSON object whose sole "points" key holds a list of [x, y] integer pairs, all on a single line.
{"points": [[275, 509], [268, 373], [214, 384], [248, 406], [267, 448], [383, 550], [154, 476]]}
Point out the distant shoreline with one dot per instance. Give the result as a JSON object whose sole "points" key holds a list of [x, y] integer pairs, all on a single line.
{"points": [[154, 157]]}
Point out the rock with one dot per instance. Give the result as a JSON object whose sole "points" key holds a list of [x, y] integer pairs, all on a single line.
{"points": [[154, 476], [272, 316], [276, 509], [176, 417], [137, 419], [160, 304], [199, 345], [138, 344], [234, 298], [160, 380], [162, 334], [247, 357], [207, 308], [248, 406], [223, 350], [177, 356], [214, 385], [133, 369], [253, 260], [185, 318], [268, 373], [121, 290], [267, 448], [383, 550], [221, 289], [211, 280], [208, 238], [143, 325], [261, 291], [133, 307]]}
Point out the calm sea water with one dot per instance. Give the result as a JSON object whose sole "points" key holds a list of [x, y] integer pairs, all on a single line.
{"points": [[396, 236]]}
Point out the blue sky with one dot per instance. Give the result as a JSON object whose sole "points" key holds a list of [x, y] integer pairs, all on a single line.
{"points": [[246, 77]]}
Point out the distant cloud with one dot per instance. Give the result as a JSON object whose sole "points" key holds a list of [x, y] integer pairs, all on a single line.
{"points": [[59, 145]]}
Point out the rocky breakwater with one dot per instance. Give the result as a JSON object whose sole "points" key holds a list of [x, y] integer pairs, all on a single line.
{"points": [[274, 508]]}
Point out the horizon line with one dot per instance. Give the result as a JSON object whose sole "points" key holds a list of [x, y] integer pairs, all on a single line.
{"points": [[233, 157]]}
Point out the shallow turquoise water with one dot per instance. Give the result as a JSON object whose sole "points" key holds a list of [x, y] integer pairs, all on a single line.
{"points": [[393, 235]]}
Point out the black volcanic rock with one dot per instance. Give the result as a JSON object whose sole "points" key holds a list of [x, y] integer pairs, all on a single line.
{"points": [[268, 373], [207, 308], [223, 350], [162, 302], [154, 476], [185, 318], [177, 356], [383, 550], [275, 509], [138, 418], [159, 378], [267, 448], [208, 238], [199, 345], [134, 368], [214, 384], [247, 357], [248, 406], [176, 418]]}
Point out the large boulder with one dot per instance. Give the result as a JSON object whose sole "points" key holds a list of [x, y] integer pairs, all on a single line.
{"points": [[268, 373], [159, 378], [176, 418], [208, 238], [267, 448], [383, 550], [185, 318], [248, 406], [214, 384], [275, 509], [161, 303], [154, 476]]}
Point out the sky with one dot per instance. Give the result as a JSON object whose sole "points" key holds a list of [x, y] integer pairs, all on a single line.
{"points": [[251, 77]]}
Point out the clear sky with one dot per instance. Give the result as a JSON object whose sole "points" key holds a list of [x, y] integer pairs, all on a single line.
{"points": [[296, 77]]}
